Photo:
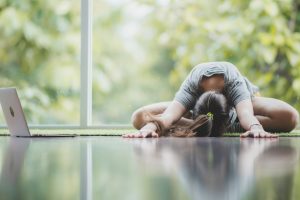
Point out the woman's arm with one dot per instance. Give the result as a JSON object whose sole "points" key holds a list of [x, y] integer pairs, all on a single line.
{"points": [[171, 115], [249, 122]]}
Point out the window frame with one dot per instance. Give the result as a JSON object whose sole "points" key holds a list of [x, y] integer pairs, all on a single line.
{"points": [[86, 63]]}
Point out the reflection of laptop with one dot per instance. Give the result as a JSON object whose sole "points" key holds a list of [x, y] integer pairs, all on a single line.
{"points": [[15, 117]]}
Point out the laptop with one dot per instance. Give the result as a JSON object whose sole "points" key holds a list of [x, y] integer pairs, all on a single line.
{"points": [[15, 118]]}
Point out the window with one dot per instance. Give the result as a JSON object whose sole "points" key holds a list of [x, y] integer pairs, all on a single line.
{"points": [[72, 61], [40, 55], [129, 68], [93, 62]]}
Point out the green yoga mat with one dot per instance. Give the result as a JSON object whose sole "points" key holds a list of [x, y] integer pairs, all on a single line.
{"points": [[79, 132], [116, 132]]}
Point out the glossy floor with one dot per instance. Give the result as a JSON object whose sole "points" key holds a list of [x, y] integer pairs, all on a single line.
{"points": [[165, 168]]}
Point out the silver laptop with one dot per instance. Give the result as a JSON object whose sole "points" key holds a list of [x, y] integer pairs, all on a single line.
{"points": [[14, 115]]}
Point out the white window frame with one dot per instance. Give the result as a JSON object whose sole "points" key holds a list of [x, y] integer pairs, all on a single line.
{"points": [[86, 65]]}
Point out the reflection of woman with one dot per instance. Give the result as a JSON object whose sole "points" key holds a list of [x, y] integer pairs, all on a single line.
{"points": [[279, 160], [210, 168], [204, 168], [251, 114], [269, 168]]}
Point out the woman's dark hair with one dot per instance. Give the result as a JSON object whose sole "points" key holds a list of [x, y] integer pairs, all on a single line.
{"points": [[210, 116], [214, 105]]}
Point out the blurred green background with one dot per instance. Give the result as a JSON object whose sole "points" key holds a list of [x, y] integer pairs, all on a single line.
{"points": [[142, 51]]}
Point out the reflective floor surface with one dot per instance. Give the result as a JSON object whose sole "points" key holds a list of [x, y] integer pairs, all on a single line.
{"points": [[149, 169]]}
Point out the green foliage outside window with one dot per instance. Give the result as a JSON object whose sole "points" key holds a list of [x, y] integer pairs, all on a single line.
{"points": [[142, 51], [39, 54]]}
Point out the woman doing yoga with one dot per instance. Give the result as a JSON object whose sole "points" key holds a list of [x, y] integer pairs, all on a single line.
{"points": [[221, 99]]}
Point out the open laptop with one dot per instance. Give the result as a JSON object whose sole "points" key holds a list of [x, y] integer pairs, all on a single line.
{"points": [[14, 115]]}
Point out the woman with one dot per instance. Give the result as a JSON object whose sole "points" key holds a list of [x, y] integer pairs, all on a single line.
{"points": [[254, 115]]}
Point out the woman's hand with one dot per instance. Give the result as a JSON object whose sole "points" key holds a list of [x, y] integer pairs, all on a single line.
{"points": [[258, 134], [149, 130], [142, 134], [257, 131]]}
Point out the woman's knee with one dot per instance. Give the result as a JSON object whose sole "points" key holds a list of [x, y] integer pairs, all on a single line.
{"points": [[291, 119], [281, 116], [294, 118], [137, 118]]}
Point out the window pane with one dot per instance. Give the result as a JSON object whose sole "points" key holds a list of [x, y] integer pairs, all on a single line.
{"points": [[143, 49], [40, 56], [129, 69]]}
